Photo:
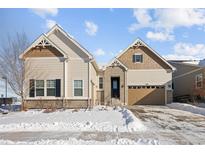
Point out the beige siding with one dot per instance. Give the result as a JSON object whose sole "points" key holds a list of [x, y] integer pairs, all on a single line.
{"points": [[150, 77], [67, 46], [43, 69], [77, 70], [77, 65]]}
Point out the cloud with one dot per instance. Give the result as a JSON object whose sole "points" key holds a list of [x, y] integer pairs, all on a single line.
{"points": [[50, 23], [43, 12], [166, 20], [99, 52], [179, 57], [159, 36], [91, 28], [187, 51]]}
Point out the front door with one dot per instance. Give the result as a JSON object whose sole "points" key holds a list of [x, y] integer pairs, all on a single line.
{"points": [[115, 87]]}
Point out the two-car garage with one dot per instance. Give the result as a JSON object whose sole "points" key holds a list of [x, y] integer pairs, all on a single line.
{"points": [[146, 95], [148, 87]]}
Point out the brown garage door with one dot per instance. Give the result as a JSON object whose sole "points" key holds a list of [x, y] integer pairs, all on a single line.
{"points": [[146, 95]]}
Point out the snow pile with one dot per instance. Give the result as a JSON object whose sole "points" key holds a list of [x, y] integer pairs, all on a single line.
{"points": [[122, 141], [187, 107], [100, 118], [132, 123]]}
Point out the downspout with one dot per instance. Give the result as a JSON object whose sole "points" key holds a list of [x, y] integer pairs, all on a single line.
{"points": [[65, 81], [88, 84], [124, 87]]}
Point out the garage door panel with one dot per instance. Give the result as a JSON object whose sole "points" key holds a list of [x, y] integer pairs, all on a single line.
{"points": [[146, 96]]}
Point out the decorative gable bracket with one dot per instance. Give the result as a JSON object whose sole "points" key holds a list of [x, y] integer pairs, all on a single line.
{"points": [[43, 43], [117, 63], [137, 45]]}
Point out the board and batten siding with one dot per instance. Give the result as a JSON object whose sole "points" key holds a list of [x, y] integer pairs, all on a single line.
{"points": [[148, 76], [43, 69]]}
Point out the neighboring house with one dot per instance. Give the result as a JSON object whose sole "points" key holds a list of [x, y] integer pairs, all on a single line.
{"points": [[59, 72], [138, 75], [188, 79]]}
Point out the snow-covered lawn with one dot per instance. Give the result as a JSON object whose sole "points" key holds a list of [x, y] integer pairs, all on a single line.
{"points": [[187, 107], [123, 141], [99, 118]]}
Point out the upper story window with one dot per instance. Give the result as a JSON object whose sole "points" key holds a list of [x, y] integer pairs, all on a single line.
{"points": [[199, 81], [137, 58], [100, 82], [78, 87], [51, 87], [39, 87]]}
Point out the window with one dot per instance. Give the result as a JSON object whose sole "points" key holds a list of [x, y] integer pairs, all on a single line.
{"points": [[39, 87], [78, 88], [199, 81], [100, 83], [51, 87], [114, 84], [137, 58]]}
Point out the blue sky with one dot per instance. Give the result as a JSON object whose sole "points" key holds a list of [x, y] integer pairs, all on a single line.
{"points": [[173, 33]]}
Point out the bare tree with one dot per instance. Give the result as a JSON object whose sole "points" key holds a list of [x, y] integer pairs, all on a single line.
{"points": [[10, 65]]}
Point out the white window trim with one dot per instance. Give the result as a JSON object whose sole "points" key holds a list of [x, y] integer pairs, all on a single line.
{"points": [[82, 89], [46, 87], [138, 54], [43, 89], [196, 81], [99, 82]]}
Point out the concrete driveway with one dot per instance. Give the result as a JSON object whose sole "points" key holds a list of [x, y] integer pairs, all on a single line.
{"points": [[171, 126]]}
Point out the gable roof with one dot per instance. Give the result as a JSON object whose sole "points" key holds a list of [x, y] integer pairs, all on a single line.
{"points": [[57, 27], [138, 40], [37, 41], [186, 64], [118, 61], [67, 35]]}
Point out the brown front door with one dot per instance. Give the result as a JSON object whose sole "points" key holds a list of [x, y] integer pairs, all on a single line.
{"points": [[115, 87]]}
